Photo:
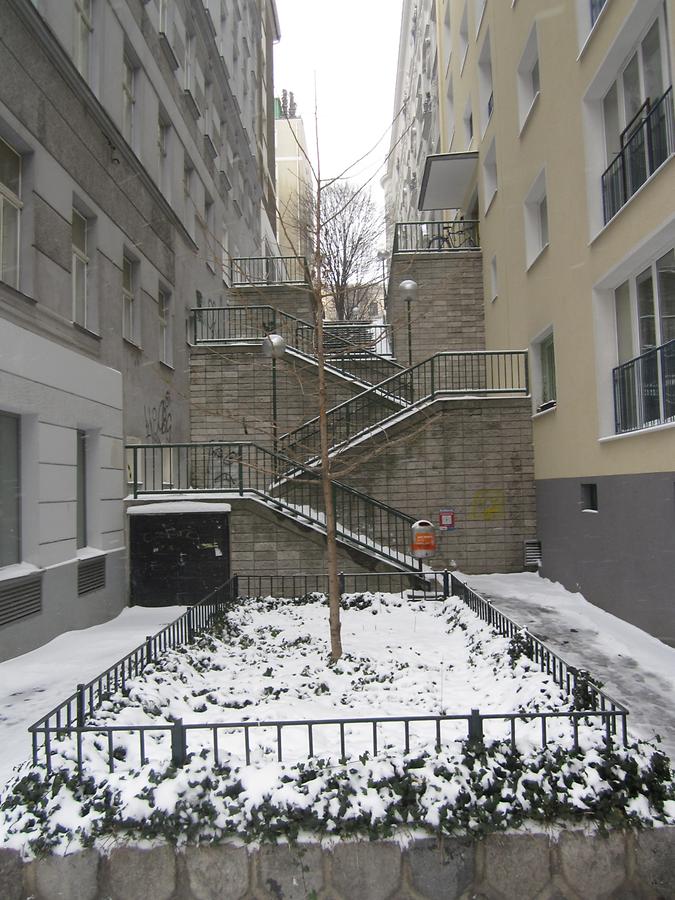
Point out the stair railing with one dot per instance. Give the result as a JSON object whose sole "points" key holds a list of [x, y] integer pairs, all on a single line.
{"points": [[240, 324], [246, 469], [483, 372]]}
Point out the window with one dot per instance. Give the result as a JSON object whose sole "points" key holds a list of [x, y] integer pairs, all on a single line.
{"points": [[468, 124], [547, 385], [165, 327], [485, 84], [128, 100], [10, 209], [210, 235], [80, 268], [188, 201], [10, 490], [164, 16], [637, 113], [536, 220], [589, 497], [164, 174], [489, 177], [494, 282], [130, 325], [82, 36], [81, 490], [528, 78], [188, 73]]}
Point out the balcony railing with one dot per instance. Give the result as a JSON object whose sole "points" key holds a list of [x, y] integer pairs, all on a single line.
{"points": [[646, 144], [420, 237], [644, 390], [268, 270]]}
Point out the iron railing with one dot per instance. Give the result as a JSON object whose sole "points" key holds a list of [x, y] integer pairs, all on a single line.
{"points": [[241, 324], [644, 389], [647, 143], [404, 732], [419, 237], [72, 712], [247, 469], [268, 270], [444, 374]]}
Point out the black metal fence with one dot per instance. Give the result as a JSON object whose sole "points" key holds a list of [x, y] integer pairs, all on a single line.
{"points": [[268, 270], [350, 350], [647, 143], [444, 374], [644, 389], [353, 735], [247, 469], [420, 237]]}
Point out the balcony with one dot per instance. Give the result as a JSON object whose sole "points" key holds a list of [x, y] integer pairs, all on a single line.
{"points": [[421, 237], [647, 143], [268, 270], [644, 390]]}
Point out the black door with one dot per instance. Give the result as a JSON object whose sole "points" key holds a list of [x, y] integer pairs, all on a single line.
{"points": [[178, 558]]}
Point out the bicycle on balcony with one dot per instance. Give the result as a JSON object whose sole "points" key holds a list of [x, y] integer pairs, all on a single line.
{"points": [[458, 235]]}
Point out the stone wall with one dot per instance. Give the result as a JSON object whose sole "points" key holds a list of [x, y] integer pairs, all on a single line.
{"points": [[448, 311], [472, 456], [294, 299], [231, 393], [511, 866], [264, 542]]}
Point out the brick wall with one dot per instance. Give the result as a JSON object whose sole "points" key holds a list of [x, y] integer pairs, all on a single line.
{"points": [[473, 456], [448, 311], [296, 299]]}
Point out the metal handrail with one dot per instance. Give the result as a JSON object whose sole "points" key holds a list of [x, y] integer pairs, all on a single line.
{"points": [[648, 144], [482, 372], [242, 324], [644, 389], [421, 237], [246, 469], [268, 270]]}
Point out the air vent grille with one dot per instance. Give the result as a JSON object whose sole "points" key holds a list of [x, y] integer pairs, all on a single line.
{"points": [[91, 575], [532, 553], [19, 598]]}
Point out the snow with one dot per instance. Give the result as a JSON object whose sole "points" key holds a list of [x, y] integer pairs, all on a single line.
{"points": [[636, 668], [32, 684], [182, 506]]}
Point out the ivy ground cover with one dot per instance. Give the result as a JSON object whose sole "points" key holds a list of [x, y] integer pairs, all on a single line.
{"points": [[267, 661]]}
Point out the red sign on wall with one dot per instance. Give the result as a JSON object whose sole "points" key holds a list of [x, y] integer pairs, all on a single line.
{"points": [[446, 519]]}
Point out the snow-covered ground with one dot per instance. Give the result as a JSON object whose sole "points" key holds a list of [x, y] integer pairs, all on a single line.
{"points": [[32, 684], [636, 668]]}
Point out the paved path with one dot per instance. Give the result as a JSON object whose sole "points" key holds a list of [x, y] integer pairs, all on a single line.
{"points": [[635, 668]]}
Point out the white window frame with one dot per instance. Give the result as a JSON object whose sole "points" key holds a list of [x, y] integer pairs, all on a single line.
{"points": [[13, 200], [130, 312], [545, 389], [528, 84], [536, 220], [189, 68], [632, 281], [82, 25], [80, 264]]}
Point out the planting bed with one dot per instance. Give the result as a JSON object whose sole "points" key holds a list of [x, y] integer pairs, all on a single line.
{"points": [[267, 662]]}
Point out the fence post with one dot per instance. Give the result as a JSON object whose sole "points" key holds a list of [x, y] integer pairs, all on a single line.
{"points": [[178, 744], [81, 705], [475, 726], [190, 626], [341, 582], [488, 603], [446, 584], [148, 648], [241, 469], [234, 587], [134, 454]]}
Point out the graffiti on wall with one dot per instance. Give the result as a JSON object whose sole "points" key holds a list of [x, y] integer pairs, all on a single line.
{"points": [[488, 504], [158, 421]]}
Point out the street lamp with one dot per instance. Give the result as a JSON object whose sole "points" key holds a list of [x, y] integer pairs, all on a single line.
{"points": [[382, 255], [408, 289], [274, 348]]}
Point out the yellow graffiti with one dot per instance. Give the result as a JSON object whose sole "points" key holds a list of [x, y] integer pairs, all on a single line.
{"points": [[488, 504]]}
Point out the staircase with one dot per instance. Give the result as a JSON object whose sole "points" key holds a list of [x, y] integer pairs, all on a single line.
{"points": [[241, 325], [247, 470], [455, 374]]}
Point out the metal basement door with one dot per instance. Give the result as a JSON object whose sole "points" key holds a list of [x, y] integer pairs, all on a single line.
{"points": [[177, 558]]}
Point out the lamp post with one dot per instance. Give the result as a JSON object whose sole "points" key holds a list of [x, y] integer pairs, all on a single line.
{"points": [[408, 290], [274, 348]]}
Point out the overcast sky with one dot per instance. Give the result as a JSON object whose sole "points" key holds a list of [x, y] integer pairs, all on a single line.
{"points": [[350, 48]]}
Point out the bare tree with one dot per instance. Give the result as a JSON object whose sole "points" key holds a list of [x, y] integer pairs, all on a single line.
{"points": [[350, 235]]}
